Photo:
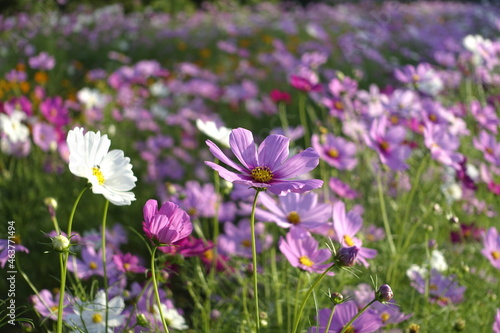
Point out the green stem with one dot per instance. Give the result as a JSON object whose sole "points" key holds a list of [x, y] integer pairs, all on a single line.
{"points": [[254, 260], [63, 259], [356, 316], [157, 294], [283, 119], [330, 319], [309, 292], [277, 285], [303, 119], [384, 215], [103, 249]]}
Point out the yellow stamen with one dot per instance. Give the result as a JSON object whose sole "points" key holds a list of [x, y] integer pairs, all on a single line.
{"points": [[92, 265], [262, 174], [338, 105], [54, 308], [348, 240], [394, 120], [304, 260], [433, 118], [433, 287], [385, 317], [495, 254], [246, 243], [126, 266], [191, 211], [333, 153], [209, 255], [293, 218], [415, 77], [96, 171], [96, 318], [350, 329], [489, 151], [384, 145]]}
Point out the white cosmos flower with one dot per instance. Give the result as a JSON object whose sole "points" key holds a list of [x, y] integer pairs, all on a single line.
{"points": [[110, 173], [91, 316], [91, 98], [13, 127], [219, 134], [172, 317]]}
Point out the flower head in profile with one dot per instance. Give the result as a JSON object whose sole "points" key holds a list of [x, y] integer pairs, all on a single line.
{"points": [[167, 225], [491, 250], [268, 166], [109, 172]]}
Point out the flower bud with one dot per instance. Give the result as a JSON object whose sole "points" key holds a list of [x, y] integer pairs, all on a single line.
{"points": [[384, 293], [459, 325], [142, 320], [337, 298], [51, 204], [346, 256], [60, 243], [414, 328]]}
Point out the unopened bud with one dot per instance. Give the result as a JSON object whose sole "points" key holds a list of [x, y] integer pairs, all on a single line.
{"points": [[346, 256], [60, 243], [51, 204], [142, 320], [414, 328], [384, 293], [459, 325], [432, 244], [336, 298]]}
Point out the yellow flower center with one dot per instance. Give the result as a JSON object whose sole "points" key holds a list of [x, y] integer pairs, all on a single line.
{"points": [[293, 218], [126, 266], [304, 260], [338, 105], [433, 287], [443, 299], [433, 118], [92, 265], [489, 151], [191, 211], [333, 153], [495, 254], [96, 171], [54, 308], [262, 174], [385, 316], [96, 318], [348, 240], [415, 77], [394, 120], [209, 255], [384, 145], [246, 243], [350, 329]]}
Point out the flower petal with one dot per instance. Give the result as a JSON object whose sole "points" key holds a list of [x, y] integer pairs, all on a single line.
{"points": [[226, 174], [298, 164], [295, 186], [243, 147], [222, 157], [273, 151]]}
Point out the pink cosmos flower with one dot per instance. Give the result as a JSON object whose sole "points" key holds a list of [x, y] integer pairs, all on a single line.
{"points": [[268, 166], [167, 225], [491, 250], [496, 324], [47, 304], [442, 290], [301, 250], [367, 322], [336, 151], [342, 189], [346, 226], [294, 209]]}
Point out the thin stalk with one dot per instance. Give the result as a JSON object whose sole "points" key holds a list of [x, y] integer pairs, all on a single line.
{"points": [[283, 118], [63, 259], [384, 215], [103, 251], [309, 292], [254, 260], [277, 285], [330, 319], [356, 316], [303, 119], [157, 294]]}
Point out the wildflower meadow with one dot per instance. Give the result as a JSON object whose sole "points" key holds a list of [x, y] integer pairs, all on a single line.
{"points": [[261, 168]]}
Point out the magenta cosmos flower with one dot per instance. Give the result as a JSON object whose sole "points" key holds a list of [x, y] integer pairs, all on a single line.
{"points": [[367, 322], [268, 166], [167, 225]]}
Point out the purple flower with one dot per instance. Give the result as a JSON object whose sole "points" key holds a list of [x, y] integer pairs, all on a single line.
{"points": [[384, 293], [305, 80], [90, 265], [294, 209], [389, 313], [54, 111], [301, 250], [43, 61], [167, 225], [342, 189], [266, 167], [442, 290], [47, 305], [45, 136], [336, 151], [128, 263], [443, 145], [488, 145], [374, 100], [496, 324], [485, 116], [423, 78], [237, 240], [198, 200], [388, 143], [346, 226], [367, 322], [4, 249], [346, 256], [188, 247], [491, 250]]}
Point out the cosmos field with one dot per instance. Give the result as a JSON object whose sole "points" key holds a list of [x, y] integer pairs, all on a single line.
{"points": [[270, 168]]}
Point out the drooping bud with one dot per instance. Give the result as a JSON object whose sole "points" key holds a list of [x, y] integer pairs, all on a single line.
{"points": [[384, 294], [337, 298], [60, 243], [346, 256]]}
